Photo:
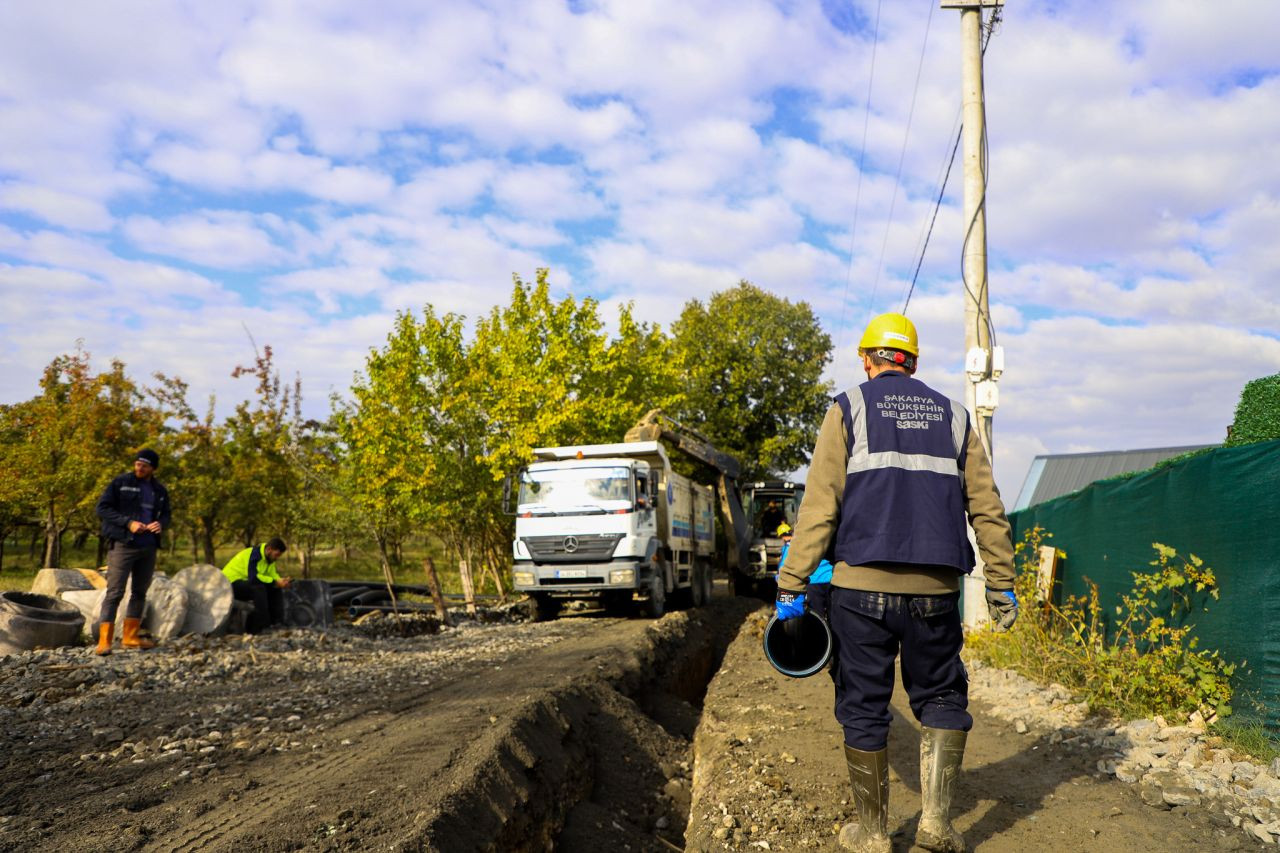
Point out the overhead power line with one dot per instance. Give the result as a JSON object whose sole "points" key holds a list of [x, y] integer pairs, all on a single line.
{"points": [[862, 156], [990, 29], [902, 156]]}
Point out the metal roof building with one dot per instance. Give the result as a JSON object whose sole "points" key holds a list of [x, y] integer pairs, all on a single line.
{"points": [[1053, 475]]}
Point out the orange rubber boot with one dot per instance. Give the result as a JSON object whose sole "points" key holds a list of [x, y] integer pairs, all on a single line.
{"points": [[131, 640], [106, 631]]}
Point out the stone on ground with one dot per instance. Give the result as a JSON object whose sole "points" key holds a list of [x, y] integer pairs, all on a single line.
{"points": [[208, 599], [54, 582], [88, 602], [163, 617], [166, 611]]}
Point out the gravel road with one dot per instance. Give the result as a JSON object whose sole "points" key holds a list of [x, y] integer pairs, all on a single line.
{"points": [[584, 734]]}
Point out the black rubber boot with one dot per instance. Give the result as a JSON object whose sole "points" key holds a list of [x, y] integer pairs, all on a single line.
{"points": [[869, 776], [941, 751]]}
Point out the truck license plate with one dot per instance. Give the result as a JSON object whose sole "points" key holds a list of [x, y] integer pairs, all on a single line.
{"points": [[571, 573]]}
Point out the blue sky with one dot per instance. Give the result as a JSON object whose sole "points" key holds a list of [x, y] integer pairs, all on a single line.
{"points": [[173, 175]]}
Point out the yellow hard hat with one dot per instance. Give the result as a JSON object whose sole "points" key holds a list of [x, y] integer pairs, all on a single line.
{"points": [[784, 529], [893, 331]]}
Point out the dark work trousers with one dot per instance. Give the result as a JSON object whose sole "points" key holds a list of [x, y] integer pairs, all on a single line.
{"points": [[268, 603], [125, 562], [869, 629]]}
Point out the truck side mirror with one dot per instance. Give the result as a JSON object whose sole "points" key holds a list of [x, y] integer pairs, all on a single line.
{"points": [[506, 495]]}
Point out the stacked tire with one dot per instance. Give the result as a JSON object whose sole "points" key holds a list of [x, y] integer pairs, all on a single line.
{"points": [[30, 621]]}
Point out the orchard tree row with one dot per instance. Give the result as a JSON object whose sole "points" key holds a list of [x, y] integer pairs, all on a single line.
{"points": [[440, 414]]}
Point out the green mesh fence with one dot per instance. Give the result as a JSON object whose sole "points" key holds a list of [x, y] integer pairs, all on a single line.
{"points": [[1223, 506]]}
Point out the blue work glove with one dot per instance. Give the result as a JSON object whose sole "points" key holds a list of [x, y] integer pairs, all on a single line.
{"points": [[789, 605], [1002, 604]]}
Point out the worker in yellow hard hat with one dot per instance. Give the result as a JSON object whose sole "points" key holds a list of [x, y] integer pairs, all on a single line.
{"points": [[891, 337], [896, 478]]}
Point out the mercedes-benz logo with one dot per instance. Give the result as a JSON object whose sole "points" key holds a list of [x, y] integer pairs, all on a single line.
{"points": [[570, 544]]}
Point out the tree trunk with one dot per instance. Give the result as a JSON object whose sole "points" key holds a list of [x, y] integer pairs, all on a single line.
{"points": [[437, 597], [306, 555], [52, 541], [496, 573], [193, 530], [385, 559], [36, 532], [81, 538], [468, 587], [206, 538]]}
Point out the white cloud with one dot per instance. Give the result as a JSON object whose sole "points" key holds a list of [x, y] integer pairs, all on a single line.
{"points": [[219, 239], [56, 207]]}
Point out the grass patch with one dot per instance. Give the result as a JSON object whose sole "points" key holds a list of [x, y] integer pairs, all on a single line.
{"points": [[1249, 736], [360, 564]]}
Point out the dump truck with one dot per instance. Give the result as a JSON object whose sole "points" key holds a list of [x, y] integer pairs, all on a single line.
{"points": [[767, 504], [617, 524]]}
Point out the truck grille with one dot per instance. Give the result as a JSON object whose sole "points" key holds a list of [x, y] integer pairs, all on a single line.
{"points": [[587, 548]]}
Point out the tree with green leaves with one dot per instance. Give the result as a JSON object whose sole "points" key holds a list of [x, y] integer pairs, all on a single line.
{"points": [[751, 365], [77, 433], [261, 478]]}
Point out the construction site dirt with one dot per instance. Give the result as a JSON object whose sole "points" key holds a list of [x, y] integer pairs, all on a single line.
{"points": [[585, 733]]}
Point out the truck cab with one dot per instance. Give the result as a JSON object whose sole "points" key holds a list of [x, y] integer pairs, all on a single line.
{"points": [[612, 523]]}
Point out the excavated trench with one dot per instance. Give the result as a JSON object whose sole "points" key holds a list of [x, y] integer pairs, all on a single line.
{"points": [[602, 762]]}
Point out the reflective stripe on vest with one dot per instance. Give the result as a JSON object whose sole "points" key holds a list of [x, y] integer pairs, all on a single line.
{"points": [[862, 458]]}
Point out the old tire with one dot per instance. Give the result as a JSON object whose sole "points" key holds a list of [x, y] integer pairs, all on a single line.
{"points": [[545, 608], [29, 621], [656, 604]]}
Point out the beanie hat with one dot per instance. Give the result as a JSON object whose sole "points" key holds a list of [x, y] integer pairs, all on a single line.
{"points": [[149, 456]]}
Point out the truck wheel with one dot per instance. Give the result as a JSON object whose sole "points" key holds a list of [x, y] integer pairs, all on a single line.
{"points": [[545, 608], [656, 604], [28, 621]]}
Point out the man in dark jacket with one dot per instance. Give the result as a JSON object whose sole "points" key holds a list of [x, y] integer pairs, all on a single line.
{"points": [[897, 478], [134, 510]]}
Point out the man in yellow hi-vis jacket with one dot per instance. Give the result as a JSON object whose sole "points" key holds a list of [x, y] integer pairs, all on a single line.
{"points": [[254, 578]]}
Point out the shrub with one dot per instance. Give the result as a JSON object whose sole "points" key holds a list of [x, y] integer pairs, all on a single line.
{"points": [[1144, 662], [1257, 413]]}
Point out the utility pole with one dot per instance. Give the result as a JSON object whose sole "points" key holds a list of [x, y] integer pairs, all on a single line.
{"points": [[983, 364]]}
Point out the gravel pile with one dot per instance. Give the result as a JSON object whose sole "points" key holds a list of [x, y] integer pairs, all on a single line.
{"points": [[1171, 766]]}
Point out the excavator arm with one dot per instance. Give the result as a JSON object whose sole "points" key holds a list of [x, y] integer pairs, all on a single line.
{"points": [[655, 426]]}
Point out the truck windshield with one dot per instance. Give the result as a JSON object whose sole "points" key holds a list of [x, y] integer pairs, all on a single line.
{"points": [[575, 490], [768, 510]]}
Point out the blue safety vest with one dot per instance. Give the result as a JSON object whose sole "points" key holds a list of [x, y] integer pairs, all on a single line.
{"points": [[903, 489]]}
